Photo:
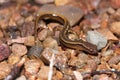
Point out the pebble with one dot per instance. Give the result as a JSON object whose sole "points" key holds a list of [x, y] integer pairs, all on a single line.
{"points": [[115, 3], [27, 29], [19, 49], [42, 34], [78, 75], [114, 60], [4, 1], [29, 19], [90, 67], [115, 28], [15, 17], [22, 77], [13, 59], [43, 73], [22, 1], [97, 39], [4, 51], [101, 77], [32, 67], [108, 53], [108, 34], [1, 34], [17, 40], [30, 41], [104, 77], [61, 2], [20, 21], [43, 1], [4, 70], [60, 58], [76, 62], [73, 14], [110, 10], [58, 75], [50, 42], [35, 51], [47, 54]]}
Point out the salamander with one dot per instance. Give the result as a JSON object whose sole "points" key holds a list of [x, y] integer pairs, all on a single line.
{"points": [[63, 37]]}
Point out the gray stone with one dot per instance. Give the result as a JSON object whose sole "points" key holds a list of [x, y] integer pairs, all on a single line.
{"points": [[97, 39]]}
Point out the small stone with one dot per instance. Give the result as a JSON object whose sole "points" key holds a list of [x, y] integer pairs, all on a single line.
{"points": [[42, 34], [22, 77], [22, 1], [29, 19], [103, 66], [60, 58], [117, 51], [3, 24], [12, 22], [108, 34], [101, 77], [115, 28], [4, 51], [4, 1], [115, 3], [1, 33], [78, 75], [108, 53], [47, 54], [90, 67], [97, 39], [30, 41], [43, 73], [5, 69], [43, 1], [76, 62], [114, 60], [27, 29], [20, 21], [53, 25], [111, 10], [104, 77], [4, 18], [58, 75], [32, 67], [17, 40], [35, 52], [13, 59], [61, 3], [19, 49], [50, 42]]}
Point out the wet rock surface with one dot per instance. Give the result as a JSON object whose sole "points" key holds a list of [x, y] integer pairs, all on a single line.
{"points": [[30, 52]]}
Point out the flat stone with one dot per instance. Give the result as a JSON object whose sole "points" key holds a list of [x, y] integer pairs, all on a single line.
{"points": [[107, 34], [72, 14], [115, 28], [97, 39]]}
